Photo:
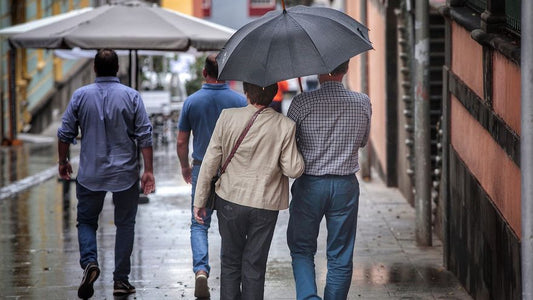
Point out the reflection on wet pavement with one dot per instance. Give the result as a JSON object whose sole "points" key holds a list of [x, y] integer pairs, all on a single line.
{"points": [[39, 251], [18, 162]]}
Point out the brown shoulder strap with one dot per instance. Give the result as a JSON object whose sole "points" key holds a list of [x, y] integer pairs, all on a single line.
{"points": [[239, 141]]}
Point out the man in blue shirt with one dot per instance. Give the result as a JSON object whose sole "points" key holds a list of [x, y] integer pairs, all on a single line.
{"points": [[199, 115], [113, 123]]}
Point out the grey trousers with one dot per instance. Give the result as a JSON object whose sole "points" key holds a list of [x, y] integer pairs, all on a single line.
{"points": [[246, 234]]}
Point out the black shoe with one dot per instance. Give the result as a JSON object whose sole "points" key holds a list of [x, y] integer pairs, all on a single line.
{"points": [[123, 287], [90, 275]]}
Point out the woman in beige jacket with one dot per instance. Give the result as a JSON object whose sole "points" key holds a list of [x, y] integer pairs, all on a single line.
{"points": [[254, 187]]}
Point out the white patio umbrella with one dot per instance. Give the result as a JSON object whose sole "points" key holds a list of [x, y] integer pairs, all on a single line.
{"points": [[131, 26]]}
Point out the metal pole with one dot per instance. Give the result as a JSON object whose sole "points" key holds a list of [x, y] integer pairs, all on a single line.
{"points": [[2, 91], [130, 68], [526, 149], [133, 58], [365, 153], [12, 107], [422, 127], [134, 79], [136, 69]]}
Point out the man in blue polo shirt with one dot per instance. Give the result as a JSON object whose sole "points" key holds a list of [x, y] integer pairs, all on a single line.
{"points": [[199, 115]]}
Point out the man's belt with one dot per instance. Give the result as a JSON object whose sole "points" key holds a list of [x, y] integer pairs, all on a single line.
{"points": [[196, 162]]}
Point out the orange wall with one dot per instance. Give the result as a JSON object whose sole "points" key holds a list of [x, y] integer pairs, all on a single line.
{"points": [[353, 77], [189, 7], [498, 175], [468, 63], [506, 91], [376, 81], [183, 6]]}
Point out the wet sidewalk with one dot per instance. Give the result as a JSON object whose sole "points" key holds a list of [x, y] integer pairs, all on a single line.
{"points": [[39, 251]]}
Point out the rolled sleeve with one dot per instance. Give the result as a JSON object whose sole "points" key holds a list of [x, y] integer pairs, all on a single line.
{"points": [[68, 131], [143, 126], [145, 140]]}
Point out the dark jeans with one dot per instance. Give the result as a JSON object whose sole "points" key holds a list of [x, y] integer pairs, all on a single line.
{"points": [[246, 237], [90, 205]]}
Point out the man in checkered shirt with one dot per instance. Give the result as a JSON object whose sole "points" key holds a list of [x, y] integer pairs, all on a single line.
{"points": [[332, 123]]}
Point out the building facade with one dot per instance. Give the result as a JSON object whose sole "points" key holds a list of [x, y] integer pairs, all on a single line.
{"points": [[41, 78], [475, 127], [483, 177]]}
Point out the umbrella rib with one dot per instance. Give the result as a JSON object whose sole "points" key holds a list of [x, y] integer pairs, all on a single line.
{"points": [[250, 32], [316, 49], [344, 23], [164, 19], [344, 27]]}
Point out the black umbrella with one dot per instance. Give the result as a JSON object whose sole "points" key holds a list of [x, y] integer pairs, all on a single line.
{"points": [[291, 43]]}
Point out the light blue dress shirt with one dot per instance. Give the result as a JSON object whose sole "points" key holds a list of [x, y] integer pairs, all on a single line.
{"points": [[112, 120]]}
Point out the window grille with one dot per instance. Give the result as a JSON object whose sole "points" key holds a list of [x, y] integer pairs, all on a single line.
{"points": [[477, 5], [513, 14]]}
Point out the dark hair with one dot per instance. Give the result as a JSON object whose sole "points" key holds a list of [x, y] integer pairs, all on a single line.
{"points": [[341, 69], [260, 95], [106, 63], [211, 65]]}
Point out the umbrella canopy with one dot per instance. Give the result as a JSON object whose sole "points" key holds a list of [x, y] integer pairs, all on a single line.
{"points": [[16, 29], [291, 43], [128, 27]]}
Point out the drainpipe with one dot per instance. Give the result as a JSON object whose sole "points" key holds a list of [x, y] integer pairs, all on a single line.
{"points": [[12, 103], [134, 84], [526, 148], [131, 67], [2, 91], [365, 153], [422, 126]]}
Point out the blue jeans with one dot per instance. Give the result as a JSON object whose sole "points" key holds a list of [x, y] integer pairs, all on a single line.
{"points": [[90, 205], [199, 244], [313, 197]]}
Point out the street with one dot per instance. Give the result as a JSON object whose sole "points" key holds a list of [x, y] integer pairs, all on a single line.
{"points": [[39, 251]]}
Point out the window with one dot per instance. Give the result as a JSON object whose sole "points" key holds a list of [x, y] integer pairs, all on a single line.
{"points": [[512, 11], [206, 8], [260, 7], [477, 5], [513, 14]]}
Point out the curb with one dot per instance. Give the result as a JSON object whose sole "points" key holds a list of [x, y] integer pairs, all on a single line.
{"points": [[25, 183]]}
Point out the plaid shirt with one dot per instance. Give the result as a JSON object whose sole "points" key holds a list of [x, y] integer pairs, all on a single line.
{"points": [[332, 123]]}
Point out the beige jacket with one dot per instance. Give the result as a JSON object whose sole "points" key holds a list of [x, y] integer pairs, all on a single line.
{"points": [[257, 175]]}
